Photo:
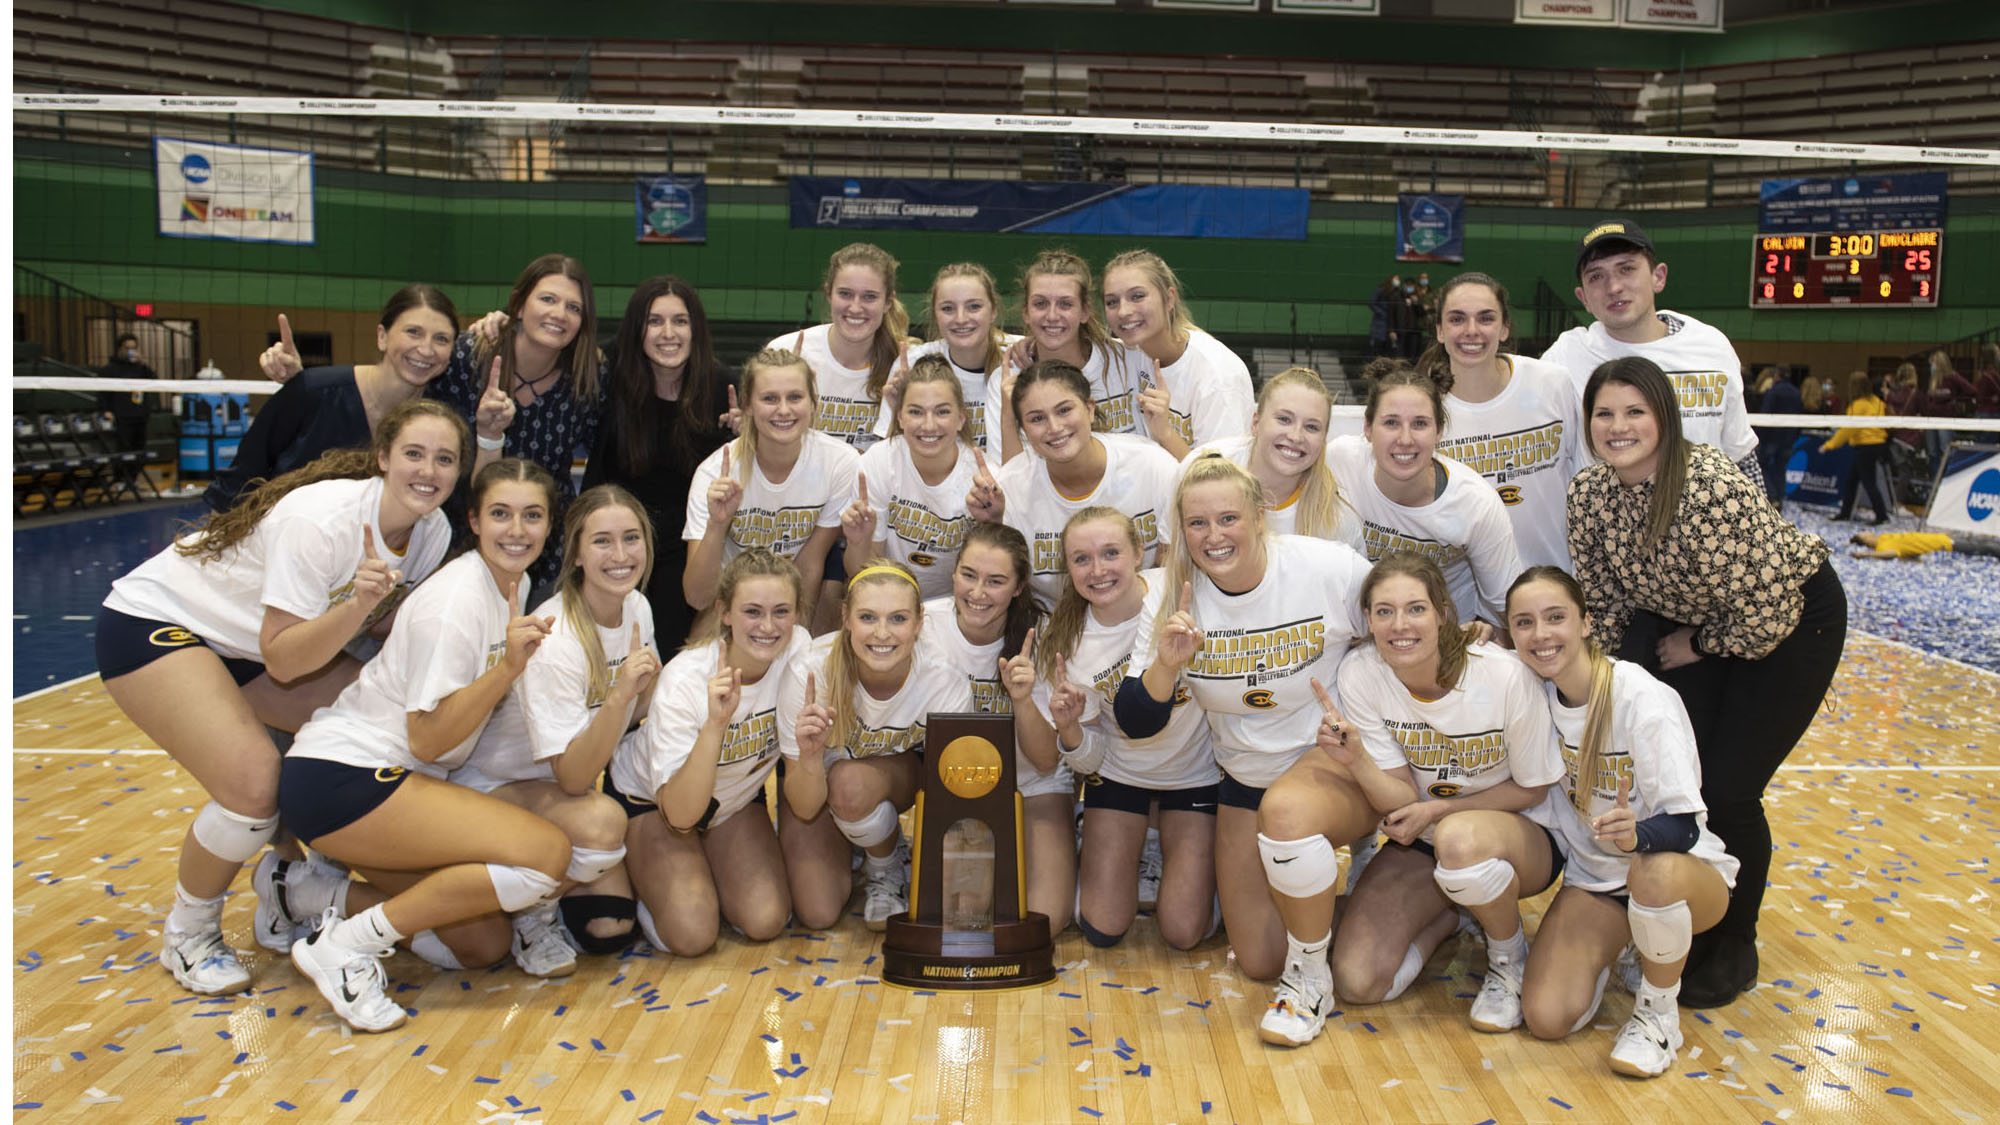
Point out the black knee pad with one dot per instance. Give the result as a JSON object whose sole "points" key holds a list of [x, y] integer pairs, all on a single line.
{"points": [[578, 911], [1095, 936]]}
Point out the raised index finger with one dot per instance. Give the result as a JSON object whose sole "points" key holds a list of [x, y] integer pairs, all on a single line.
{"points": [[1187, 597], [1624, 792], [285, 334], [493, 377], [979, 458], [1325, 700], [862, 479], [812, 691], [368, 543], [637, 642], [1028, 645]]}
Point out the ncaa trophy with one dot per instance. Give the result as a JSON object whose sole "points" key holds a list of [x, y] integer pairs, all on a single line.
{"points": [[968, 776]]}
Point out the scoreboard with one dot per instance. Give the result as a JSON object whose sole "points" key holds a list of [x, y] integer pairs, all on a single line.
{"points": [[1871, 267]]}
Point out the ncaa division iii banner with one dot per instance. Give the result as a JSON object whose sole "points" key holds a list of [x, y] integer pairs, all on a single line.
{"points": [[211, 190]]}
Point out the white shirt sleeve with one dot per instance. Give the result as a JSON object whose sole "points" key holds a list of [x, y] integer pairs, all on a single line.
{"points": [[1534, 751], [1361, 708], [448, 654], [552, 689], [302, 562]]}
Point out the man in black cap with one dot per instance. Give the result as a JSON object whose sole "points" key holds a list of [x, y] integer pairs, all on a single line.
{"points": [[1618, 277]]}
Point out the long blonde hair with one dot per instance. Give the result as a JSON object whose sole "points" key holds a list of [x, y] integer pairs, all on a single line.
{"points": [[996, 350], [1180, 321], [597, 681], [1096, 337], [1452, 639], [754, 562], [1179, 562], [925, 371], [1319, 502], [1064, 627], [1597, 711], [895, 327], [843, 679], [770, 359]]}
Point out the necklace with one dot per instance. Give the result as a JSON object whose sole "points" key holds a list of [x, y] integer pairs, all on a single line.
{"points": [[536, 384]]}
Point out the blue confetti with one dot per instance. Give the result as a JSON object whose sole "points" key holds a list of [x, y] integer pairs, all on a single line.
{"points": [[1901, 1091], [1558, 1101]]}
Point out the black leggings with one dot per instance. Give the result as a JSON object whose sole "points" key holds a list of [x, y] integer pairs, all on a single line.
{"points": [[1748, 715], [1864, 472]]}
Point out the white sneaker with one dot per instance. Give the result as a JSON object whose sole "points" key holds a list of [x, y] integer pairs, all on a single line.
{"points": [[202, 962], [273, 924], [351, 979], [539, 946], [1498, 1006], [887, 894], [1649, 1041], [1630, 972], [1359, 852], [1151, 864], [1298, 1009]]}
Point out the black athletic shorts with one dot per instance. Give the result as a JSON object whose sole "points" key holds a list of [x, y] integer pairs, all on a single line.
{"points": [[126, 644], [317, 797], [1104, 793]]}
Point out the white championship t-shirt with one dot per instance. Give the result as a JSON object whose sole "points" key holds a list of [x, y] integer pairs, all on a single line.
{"points": [[846, 410], [1209, 395], [920, 525], [1138, 481], [781, 517], [1527, 442], [1697, 358], [884, 726]]}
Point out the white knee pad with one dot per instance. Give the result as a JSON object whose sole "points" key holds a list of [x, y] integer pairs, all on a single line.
{"points": [[1406, 973], [518, 888], [1662, 933], [647, 926], [1476, 885], [232, 836], [1298, 868], [427, 945], [879, 825], [588, 865]]}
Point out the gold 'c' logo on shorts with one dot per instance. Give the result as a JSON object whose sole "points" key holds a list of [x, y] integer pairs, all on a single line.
{"points": [[389, 773], [172, 636]]}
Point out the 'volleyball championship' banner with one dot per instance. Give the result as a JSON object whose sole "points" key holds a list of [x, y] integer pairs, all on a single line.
{"points": [[244, 194], [1045, 207]]}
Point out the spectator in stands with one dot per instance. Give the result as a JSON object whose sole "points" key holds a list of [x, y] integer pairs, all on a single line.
{"points": [[1950, 395], [328, 408], [1410, 329], [1776, 394], [1813, 395], [1986, 382], [1870, 447], [1381, 318], [127, 408]]}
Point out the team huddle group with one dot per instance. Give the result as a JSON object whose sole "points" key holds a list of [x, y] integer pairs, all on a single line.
{"points": [[1246, 642]]}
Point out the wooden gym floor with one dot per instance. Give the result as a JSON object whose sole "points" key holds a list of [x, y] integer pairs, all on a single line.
{"points": [[1875, 1002]]}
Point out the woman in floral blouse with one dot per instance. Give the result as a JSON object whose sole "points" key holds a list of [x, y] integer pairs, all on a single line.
{"points": [[1690, 573]]}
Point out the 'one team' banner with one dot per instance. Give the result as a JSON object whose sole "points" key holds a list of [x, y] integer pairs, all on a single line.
{"points": [[672, 208], [1430, 227], [211, 190], [1041, 207]]}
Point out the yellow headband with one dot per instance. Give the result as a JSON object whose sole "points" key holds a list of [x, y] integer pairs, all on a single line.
{"points": [[883, 568]]}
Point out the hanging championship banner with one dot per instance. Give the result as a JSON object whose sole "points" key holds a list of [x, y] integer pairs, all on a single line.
{"points": [[1330, 7], [672, 208], [1050, 207], [1593, 13], [232, 192], [1679, 15], [1430, 228]]}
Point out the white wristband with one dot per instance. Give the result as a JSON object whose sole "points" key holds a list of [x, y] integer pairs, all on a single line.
{"points": [[495, 444]]}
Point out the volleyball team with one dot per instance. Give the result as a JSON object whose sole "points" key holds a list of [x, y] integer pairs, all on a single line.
{"points": [[1532, 625]]}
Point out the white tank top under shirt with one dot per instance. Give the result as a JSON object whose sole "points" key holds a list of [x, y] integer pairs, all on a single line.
{"points": [[1181, 756], [679, 711], [920, 525], [1465, 531], [450, 631], [781, 517], [300, 558], [982, 393], [1650, 744], [1138, 481], [846, 410], [1209, 395], [549, 705], [1492, 726], [883, 726], [1527, 441], [942, 642], [1262, 650], [1283, 519], [1697, 358]]}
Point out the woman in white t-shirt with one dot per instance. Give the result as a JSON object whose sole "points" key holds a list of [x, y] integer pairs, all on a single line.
{"points": [[852, 709], [1246, 622], [985, 631], [1072, 468], [702, 758], [1085, 649], [581, 697], [1411, 499], [965, 332], [1059, 313], [242, 623], [1192, 388], [1641, 863], [853, 355], [909, 504], [781, 485], [365, 784], [1514, 420], [1285, 450], [1452, 745]]}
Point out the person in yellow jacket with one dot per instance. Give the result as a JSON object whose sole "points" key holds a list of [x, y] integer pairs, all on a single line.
{"points": [[1870, 444]]}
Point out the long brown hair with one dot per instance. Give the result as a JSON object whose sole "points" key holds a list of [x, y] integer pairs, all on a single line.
{"points": [[635, 409], [1452, 640], [575, 611], [890, 335], [1385, 375], [843, 679], [1022, 610], [221, 531], [1319, 501], [1435, 361], [1179, 560], [1597, 712], [579, 361], [1064, 627], [1670, 467]]}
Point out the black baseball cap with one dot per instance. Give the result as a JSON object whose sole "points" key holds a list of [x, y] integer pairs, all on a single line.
{"points": [[1613, 231]]}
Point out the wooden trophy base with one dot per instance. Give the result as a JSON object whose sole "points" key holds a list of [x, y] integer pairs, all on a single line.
{"points": [[924, 955]]}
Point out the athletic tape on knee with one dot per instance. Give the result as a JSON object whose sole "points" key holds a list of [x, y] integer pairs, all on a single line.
{"points": [[646, 926], [579, 911], [1661, 933], [232, 836], [1406, 973], [427, 945], [1098, 937], [1476, 885], [1298, 868], [518, 888], [588, 865], [879, 825]]}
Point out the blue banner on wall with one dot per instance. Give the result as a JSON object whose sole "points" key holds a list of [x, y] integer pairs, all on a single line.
{"points": [[1430, 228], [1874, 201], [1136, 210], [672, 208]]}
